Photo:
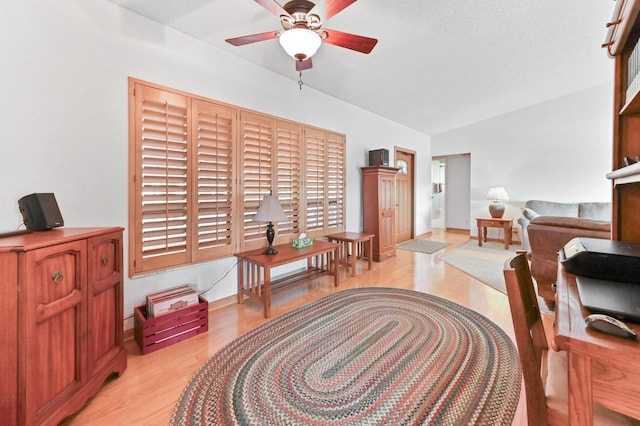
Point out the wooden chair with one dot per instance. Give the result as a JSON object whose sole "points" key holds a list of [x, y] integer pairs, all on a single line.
{"points": [[544, 371]]}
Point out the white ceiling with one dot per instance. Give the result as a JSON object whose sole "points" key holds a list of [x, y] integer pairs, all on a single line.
{"points": [[438, 64]]}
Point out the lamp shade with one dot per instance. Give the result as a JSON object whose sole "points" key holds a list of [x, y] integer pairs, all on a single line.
{"points": [[300, 43], [497, 193], [270, 210]]}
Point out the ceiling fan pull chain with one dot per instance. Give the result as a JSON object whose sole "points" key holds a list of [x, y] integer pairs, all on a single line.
{"points": [[300, 83]]}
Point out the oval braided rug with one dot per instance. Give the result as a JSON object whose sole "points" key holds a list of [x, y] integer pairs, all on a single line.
{"points": [[361, 356]]}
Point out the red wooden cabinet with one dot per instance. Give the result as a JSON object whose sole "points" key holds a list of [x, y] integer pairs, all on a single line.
{"points": [[61, 305], [379, 205]]}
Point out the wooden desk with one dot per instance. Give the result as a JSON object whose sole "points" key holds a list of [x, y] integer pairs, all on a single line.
{"points": [[354, 243], [484, 223], [601, 368], [254, 269]]}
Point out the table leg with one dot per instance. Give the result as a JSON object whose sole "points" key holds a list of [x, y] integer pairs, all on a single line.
{"points": [[336, 275], [369, 251], [240, 267], [267, 292], [580, 395], [480, 236], [352, 245], [507, 236]]}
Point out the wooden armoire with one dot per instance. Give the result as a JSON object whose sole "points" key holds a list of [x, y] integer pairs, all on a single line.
{"points": [[379, 209], [61, 306], [623, 45]]}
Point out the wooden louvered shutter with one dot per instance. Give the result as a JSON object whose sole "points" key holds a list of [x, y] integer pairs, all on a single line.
{"points": [[288, 185], [336, 184], [212, 171], [315, 182], [161, 179], [257, 150]]}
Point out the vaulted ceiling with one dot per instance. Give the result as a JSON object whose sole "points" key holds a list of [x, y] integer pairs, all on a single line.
{"points": [[438, 65]]}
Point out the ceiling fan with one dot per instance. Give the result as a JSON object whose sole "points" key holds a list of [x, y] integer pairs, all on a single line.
{"points": [[302, 32]]}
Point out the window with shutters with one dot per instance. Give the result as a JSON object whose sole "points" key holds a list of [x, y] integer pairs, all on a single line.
{"points": [[200, 168], [335, 190], [161, 179], [257, 153], [315, 181], [288, 180], [212, 179]]}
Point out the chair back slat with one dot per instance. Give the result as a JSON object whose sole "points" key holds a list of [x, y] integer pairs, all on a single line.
{"points": [[530, 335]]}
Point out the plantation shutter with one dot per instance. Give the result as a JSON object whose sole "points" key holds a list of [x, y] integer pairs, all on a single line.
{"points": [[336, 184], [289, 159], [257, 139], [213, 127], [315, 182], [161, 177], [198, 170]]}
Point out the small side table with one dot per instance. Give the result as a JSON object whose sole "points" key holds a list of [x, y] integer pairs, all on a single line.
{"points": [[484, 223], [352, 242]]}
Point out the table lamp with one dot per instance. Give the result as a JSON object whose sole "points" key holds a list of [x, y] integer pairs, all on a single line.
{"points": [[496, 208], [270, 211]]}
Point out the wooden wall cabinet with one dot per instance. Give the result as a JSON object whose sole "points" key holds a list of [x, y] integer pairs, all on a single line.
{"points": [[622, 39], [61, 309], [379, 205]]}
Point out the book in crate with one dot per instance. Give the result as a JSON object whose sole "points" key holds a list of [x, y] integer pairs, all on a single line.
{"points": [[171, 300], [156, 333]]}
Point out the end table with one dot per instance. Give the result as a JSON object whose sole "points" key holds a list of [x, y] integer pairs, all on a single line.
{"points": [[504, 223]]}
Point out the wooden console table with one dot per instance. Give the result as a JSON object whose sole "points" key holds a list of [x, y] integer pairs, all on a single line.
{"points": [[484, 223], [353, 242], [601, 368], [254, 269]]}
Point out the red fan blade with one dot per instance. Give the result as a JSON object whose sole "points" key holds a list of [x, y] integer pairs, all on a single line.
{"points": [[350, 41], [273, 7], [325, 9], [241, 41], [303, 65]]}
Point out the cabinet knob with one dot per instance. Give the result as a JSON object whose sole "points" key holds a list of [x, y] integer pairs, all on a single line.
{"points": [[57, 277], [104, 260]]}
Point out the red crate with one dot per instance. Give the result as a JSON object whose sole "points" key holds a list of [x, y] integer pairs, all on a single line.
{"points": [[159, 332]]}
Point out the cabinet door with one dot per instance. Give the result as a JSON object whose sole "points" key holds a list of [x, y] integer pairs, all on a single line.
{"points": [[105, 300], [53, 285], [387, 215]]}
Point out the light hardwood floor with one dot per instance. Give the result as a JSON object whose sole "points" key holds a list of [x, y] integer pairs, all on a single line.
{"points": [[149, 388]]}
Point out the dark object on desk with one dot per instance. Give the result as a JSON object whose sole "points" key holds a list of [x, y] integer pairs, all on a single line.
{"points": [[40, 211], [617, 299], [610, 260], [610, 325]]}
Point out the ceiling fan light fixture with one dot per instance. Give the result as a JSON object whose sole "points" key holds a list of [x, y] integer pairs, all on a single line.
{"points": [[300, 43]]}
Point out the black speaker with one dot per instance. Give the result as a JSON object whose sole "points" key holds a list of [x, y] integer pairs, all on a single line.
{"points": [[379, 157], [40, 211]]}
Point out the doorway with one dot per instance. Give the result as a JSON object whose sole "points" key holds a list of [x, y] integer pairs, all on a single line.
{"points": [[438, 174], [455, 193], [404, 162]]}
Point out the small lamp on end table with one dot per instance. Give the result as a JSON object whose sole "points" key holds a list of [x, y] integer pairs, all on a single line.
{"points": [[270, 211], [496, 208]]}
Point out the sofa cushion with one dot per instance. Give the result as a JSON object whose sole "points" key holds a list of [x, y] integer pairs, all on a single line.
{"points": [[596, 211], [551, 208], [572, 223]]}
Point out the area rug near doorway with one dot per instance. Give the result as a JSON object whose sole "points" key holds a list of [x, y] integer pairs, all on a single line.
{"points": [[483, 263], [422, 246], [361, 356]]}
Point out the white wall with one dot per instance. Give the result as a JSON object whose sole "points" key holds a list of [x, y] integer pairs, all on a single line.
{"points": [[558, 151], [64, 117]]}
